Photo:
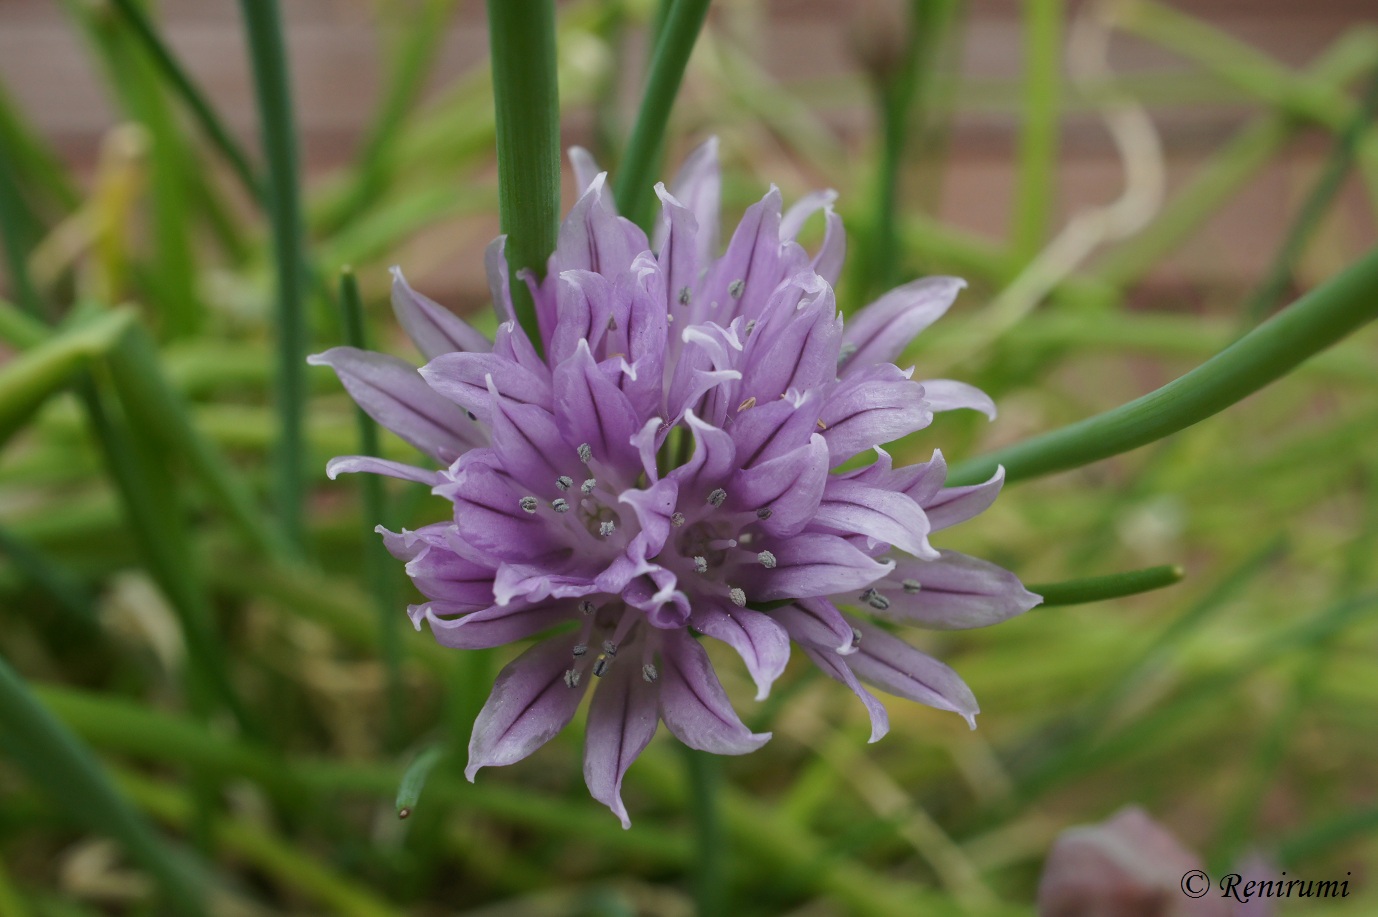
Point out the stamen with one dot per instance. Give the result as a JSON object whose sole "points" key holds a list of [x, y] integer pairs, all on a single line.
{"points": [[911, 586], [684, 295], [600, 665], [585, 453], [747, 404], [648, 672], [868, 595], [472, 415], [677, 520], [564, 482], [587, 487], [856, 638], [571, 678], [610, 648], [750, 327], [669, 318], [878, 602], [607, 528], [700, 564], [560, 505], [734, 289], [587, 607], [612, 322], [821, 424], [767, 560], [717, 497], [722, 544], [529, 503], [845, 351], [580, 649], [764, 513], [737, 596]]}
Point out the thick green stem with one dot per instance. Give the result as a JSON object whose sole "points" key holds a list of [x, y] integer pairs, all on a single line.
{"points": [[526, 97], [1320, 318], [1038, 138], [705, 775], [1110, 586], [635, 174], [269, 60]]}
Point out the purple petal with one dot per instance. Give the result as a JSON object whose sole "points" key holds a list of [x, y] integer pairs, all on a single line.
{"points": [[699, 185], [952, 505], [814, 564], [492, 518], [950, 395], [770, 430], [954, 592], [744, 278], [622, 719], [594, 238], [828, 262], [817, 622], [584, 166], [693, 704], [391, 392], [443, 575], [880, 332], [433, 328], [352, 464], [803, 354], [784, 490], [590, 409], [897, 668], [585, 303], [463, 379], [677, 241], [499, 625], [798, 214], [849, 507], [530, 445], [762, 643], [835, 667], [712, 461], [499, 283], [530, 703], [872, 406]]}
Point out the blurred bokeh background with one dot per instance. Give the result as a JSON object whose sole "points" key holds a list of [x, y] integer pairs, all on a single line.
{"points": [[1127, 185]]}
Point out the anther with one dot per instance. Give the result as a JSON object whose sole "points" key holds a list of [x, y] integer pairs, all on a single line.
{"points": [[747, 404], [717, 496], [564, 482], [607, 528], [529, 503], [700, 564], [648, 672], [571, 678], [878, 602], [587, 487], [734, 289], [585, 453], [600, 665], [767, 560], [612, 322], [610, 648], [911, 586], [684, 295], [677, 520], [764, 513], [737, 596], [586, 607], [868, 595], [560, 505], [845, 351], [750, 327], [856, 638], [472, 415], [821, 424], [580, 649]]}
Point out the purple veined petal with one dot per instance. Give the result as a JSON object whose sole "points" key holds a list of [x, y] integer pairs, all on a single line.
{"points": [[594, 238], [653, 591], [443, 575], [813, 564], [798, 214], [693, 704], [699, 185], [463, 379], [880, 332], [953, 592], [921, 483], [492, 518], [585, 168], [712, 461], [652, 507], [499, 282], [391, 392], [529, 705], [802, 355], [768, 431], [951, 395], [585, 303], [539, 582], [406, 544], [784, 491], [899, 669], [647, 440], [433, 328], [828, 262], [874, 405], [511, 343], [499, 625], [817, 622], [354, 464], [590, 409], [853, 507], [761, 642], [622, 719], [835, 667], [742, 280], [679, 258], [532, 450], [952, 505]]}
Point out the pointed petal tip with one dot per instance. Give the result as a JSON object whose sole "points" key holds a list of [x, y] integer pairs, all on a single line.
{"points": [[471, 771]]}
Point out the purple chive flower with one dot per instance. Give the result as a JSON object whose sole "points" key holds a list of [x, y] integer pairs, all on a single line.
{"points": [[667, 470]]}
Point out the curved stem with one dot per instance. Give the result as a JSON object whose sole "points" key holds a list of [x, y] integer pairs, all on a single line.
{"points": [[1110, 586], [1320, 318]]}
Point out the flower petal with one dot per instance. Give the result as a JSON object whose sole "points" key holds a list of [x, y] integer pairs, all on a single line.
{"points": [[443, 575], [391, 392], [530, 703], [463, 379], [594, 238], [835, 667], [872, 406], [693, 704], [853, 507], [499, 282], [622, 719], [951, 395], [433, 328], [817, 622], [699, 185], [785, 491], [953, 592], [590, 409], [897, 668], [801, 354], [352, 464], [952, 505], [499, 625], [761, 642], [880, 332], [584, 166], [813, 564]]}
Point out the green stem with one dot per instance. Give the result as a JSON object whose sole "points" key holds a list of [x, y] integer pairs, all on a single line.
{"points": [[181, 83], [1111, 586], [705, 775], [16, 241], [56, 760], [636, 172], [269, 61], [1320, 318], [1038, 139], [527, 102], [377, 561], [414, 780]]}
